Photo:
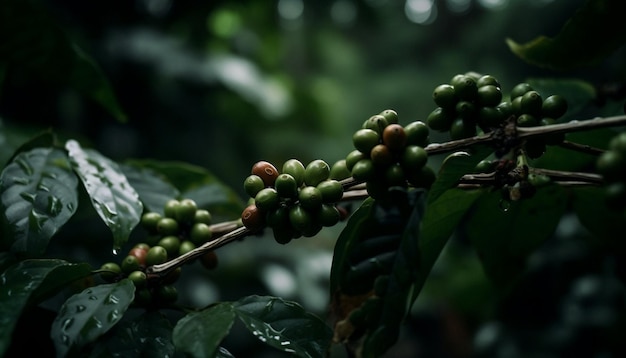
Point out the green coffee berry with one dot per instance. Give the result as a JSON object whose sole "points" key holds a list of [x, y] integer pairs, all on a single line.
{"points": [[330, 190], [328, 215], [531, 103], [490, 117], [390, 115], [185, 247], [527, 120], [339, 170], [554, 106], [278, 217], [413, 158], [353, 157], [300, 218], [296, 169], [267, 199], [171, 244], [363, 170], [488, 95], [138, 278], [461, 129], [186, 211], [417, 133], [200, 233], [618, 143], [465, 87], [253, 184], [376, 123], [167, 226], [166, 294], [203, 216], [149, 221], [394, 175], [466, 110], [317, 171], [310, 198], [520, 89], [169, 210], [129, 264], [111, 271], [365, 139], [156, 255], [286, 186], [612, 165], [444, 96], [440, 119], [487, 80]]}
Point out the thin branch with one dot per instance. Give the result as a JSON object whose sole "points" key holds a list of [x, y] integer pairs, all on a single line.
{"points": [[583, 148]]}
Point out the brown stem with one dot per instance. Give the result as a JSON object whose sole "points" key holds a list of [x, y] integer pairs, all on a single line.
{"points": [[583, 148]]}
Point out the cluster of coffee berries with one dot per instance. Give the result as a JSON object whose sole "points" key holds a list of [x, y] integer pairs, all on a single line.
{"points": [[297, 201], [612, 166], [181, 228], [473, 102], [388, 154]]}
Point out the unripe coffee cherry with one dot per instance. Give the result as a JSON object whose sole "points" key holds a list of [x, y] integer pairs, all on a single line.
{"points": [[171, 244], [149, 221], [414, 158], [169, 210], [186, 211], [394, 137], [353, 157], [444, 96], [520, 89], [156, 255], [465, 87], [390, 115], [138, 278], [310, 198], [339, 170], [167, 226], [266, 170], [300, 218], [200, 233], [112, 271], [315, 172], [363, 170], [267, 199], [461, 129], [531, 103], [328, 215], [486, 80], [185, 247], [252, 218], [279, 217], [394, 175], [365, 139], [253, 184], [331, 191], [554, 106], [203, 216], [417, 133], [296, 169], [440, 119], [488, 95], [166, 294], [129, 264], [376, 123], [286, 186]]}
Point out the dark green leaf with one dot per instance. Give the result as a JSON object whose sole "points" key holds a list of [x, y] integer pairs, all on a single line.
{"points": [[114, 199], [33, 43], [607, 225], [586, 39], [454, 167], [44, 139], [154, 190], [199, 334], [88, 315], [27, 282], [148, 335], [441, 219], [346, 241], [38, 195], [504, 234], [284, 325], [199, 184]]}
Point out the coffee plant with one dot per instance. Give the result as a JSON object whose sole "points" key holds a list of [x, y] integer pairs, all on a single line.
{"points": [[520, 157]]}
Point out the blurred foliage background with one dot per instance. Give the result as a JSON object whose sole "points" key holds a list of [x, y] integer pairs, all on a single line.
{"points": [[223, 84]]}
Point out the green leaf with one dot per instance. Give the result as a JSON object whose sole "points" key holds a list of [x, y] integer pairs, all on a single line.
{"points": [[33, 43], [154, 189], [607, 225], [586, 39], [148, 335], [441, 219], [346, 241], [199, 334], [28, 282], [114, 199], [284, 325], [88, 315], [504, 236], [454, 166], [199, 184], [38, 195]]}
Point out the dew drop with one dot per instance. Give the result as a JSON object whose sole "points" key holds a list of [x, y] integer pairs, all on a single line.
{"points": [[505, 205], [55, 206], [93, 298], [67, 324], [80, 308]]}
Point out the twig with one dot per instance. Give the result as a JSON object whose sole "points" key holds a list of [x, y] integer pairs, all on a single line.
{"points": [[583, 148]]}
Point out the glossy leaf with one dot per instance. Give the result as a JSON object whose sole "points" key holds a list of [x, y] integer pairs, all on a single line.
{"points": [[33, 43], [607, 225], [454, 166], [199, 334], [148, 335], [86, 316], [346, 241], [586, 39], [39, 194], [441, 219], [154, 190], [199, 184], [28, 282], [504, 234], [114, 199], [284, 325]]}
